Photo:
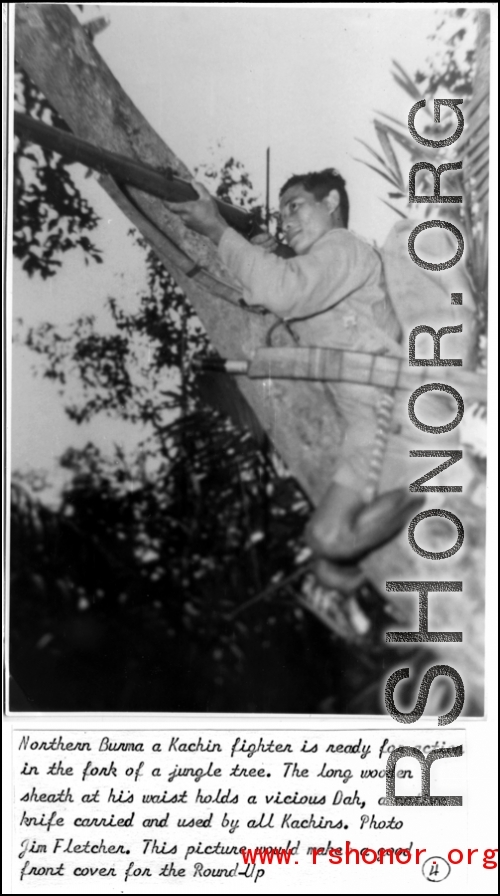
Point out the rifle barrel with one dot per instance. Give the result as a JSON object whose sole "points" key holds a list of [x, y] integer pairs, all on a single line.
{"points": [[125, 170]]}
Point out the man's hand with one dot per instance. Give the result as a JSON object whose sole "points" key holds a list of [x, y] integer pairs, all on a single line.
{"points": [[265, 241], [201, 215]]}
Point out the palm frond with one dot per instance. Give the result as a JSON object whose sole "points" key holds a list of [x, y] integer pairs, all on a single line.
{"points": [[404, 80], [484, 180], [484, 166], [471, 138], [382, 133], [378, 171], [376, 155], [402, 138], [389, 117], [480, 150], [394, 209], [483, 195], [475, 103], [473, 151], [409, 88], [476, 182]]}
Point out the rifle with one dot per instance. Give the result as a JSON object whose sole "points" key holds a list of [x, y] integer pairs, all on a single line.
{"points": [[163, 184]]}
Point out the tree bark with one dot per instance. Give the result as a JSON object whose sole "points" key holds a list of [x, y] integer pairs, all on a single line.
{"points": [[300, 417], [57, 55]]}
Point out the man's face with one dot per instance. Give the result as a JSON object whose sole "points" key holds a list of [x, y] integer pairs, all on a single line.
{"points": [[304, 218]]}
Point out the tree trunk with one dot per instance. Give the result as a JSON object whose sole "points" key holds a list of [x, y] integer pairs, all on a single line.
{"points": [[300, 417], [55, 52]]}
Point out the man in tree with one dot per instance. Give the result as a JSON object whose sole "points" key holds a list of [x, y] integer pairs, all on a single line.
{"points": [[335, 282]]}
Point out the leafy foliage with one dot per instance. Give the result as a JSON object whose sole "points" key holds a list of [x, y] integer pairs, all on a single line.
{"points": [[167, 578], [132, 595], [449, 73], [51, 216], [231, 183]]}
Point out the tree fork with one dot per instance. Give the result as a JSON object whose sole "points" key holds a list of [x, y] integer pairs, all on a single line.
{"points": [[300, 417], [60, 59]]}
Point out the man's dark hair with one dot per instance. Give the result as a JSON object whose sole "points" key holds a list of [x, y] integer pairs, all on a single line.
{"points": [[319, 183]]}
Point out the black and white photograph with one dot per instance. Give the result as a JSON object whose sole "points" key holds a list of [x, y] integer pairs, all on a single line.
{"points": [[250, 458], [225, 490]]}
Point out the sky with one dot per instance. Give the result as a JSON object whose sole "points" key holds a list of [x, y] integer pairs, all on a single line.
{"points": [[304, 82], [220, 81]]}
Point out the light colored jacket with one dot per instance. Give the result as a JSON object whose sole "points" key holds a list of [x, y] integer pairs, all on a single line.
{"points": [[338, 285]]}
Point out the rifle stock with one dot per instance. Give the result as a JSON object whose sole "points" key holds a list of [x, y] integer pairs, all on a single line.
{"points": [[163, 184]]}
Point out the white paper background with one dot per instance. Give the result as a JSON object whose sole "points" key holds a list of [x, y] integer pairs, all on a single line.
{"points": [[481, 759]]}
